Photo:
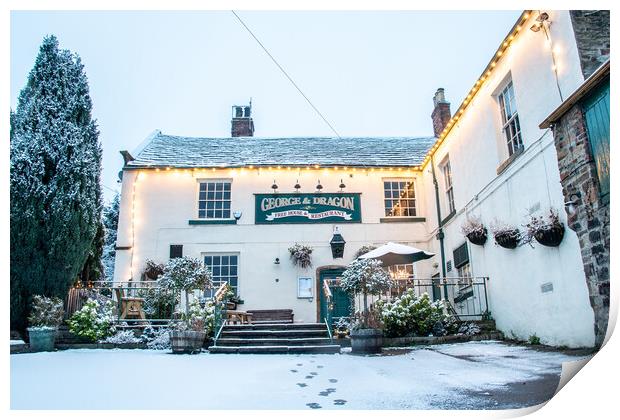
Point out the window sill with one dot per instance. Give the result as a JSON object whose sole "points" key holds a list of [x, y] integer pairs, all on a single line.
{"points": [[213, 222], [505, 164], [402, 219]]}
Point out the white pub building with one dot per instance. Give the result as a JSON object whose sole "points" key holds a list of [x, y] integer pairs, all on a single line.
{"points": [[239, 203]]}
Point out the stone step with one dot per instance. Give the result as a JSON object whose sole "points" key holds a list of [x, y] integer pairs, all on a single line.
{"points": [[305, 341], [319, 349], [274, 326], [293, 333]]}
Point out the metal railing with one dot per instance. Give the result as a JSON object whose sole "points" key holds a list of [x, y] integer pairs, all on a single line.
{"points": [[465, 297], [330, 307]]}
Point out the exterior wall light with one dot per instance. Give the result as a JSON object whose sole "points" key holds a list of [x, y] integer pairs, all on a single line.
{"points": [[337, 244], [237, 215], [274, 187], [319, 187], [297, 186], [277, 261], [342, 186]]}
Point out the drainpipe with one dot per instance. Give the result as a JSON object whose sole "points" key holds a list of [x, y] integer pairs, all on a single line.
{"points": [[440, 234]]}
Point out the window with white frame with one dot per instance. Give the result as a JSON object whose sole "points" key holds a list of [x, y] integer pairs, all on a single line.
{"points": [[399, 197], [214, 199], [224, 269], [447, 179], [510, 119]]}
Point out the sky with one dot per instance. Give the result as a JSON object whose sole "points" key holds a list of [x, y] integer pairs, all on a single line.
{"points": [[369, 73]]}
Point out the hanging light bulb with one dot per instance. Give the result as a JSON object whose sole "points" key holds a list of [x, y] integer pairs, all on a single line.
{"points": [[319, 187], [274, 187], [342, 186], [297, 186]]}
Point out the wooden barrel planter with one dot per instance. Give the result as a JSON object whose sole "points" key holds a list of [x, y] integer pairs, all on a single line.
{"points": [[478, 238], [550, 237], [508, 239], [186, 341], [366, 341]]}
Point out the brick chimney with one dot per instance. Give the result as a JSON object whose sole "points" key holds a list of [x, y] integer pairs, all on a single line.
{"points": [[242, 124], [441, 113]]}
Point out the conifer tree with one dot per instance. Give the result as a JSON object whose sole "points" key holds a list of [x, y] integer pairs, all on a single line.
{"points": [[110, 223], [55, 171]]}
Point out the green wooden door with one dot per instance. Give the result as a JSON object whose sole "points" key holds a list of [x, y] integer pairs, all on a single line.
{"points": [[596, 110], [340, 299]]}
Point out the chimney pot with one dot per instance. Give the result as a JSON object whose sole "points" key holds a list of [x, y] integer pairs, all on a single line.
{"points": [[242, 124]]}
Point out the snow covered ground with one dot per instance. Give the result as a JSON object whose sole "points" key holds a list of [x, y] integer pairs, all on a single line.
{"points": [[452, 376]]}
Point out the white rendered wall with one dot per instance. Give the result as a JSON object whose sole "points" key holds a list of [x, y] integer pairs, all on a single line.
{"points": [[530, 184], [166, 200]]}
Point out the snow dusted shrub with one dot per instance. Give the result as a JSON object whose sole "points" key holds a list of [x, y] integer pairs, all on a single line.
{"points": [[153, 270], [469, 329], [93, 321], [415, 315], [186, 274], [156, 339], [366, 277], [301, 255], [364, 249], [46, 312], [122, 337], [159, 303]]}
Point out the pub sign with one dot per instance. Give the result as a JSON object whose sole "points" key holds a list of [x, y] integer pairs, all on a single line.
{"points": [[308, 208]]}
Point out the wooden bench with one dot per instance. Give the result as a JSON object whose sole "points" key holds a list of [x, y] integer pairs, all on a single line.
{"points": [[234, 317], [266, 316]]}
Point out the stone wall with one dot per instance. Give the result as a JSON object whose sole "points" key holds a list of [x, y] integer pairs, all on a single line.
{"points": [[592, 35], [588, 216]]}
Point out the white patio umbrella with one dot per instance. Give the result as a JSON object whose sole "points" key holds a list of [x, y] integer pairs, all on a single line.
{"points": [[393, 253]]}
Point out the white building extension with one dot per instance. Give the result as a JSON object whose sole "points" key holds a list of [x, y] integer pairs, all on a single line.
{"points": [[205, 198]]}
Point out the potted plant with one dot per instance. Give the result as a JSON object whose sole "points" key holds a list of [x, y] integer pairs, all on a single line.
{"points": [[44, 320], [506, 236], [188, 334], [153, 270], [366, 277], [547, 231], [474, 230], [301, 255], [187, 275]]}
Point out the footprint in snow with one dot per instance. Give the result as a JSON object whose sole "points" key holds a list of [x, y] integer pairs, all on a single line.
{"points": [[324, 394], [294, 370], [333, 381], [301, 384], [340, 402], [313, 373], [299, 364], [319, 366], [314, 405], [331, 390], [309, 377]]}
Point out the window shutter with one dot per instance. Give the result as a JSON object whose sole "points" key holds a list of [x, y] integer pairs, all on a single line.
{"points": [[176, 251], [461, 256], [596, 110]]}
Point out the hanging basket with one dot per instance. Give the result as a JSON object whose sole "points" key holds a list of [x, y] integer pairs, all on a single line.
{"points": [[477, 238], [550, 237], [507, 239]]}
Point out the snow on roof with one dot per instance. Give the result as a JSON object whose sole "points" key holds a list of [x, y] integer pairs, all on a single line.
{"points": [[188, 152]]}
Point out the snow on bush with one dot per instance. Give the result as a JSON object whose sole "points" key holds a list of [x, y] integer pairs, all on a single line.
{"points": [[122, 337], [411, 315], [469, 329], [185, 274], [93, 321], [198, 318], [473, 225], [46, 312]]}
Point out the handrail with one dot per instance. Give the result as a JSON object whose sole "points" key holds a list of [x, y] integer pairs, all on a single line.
{"points": [[329, 329], [327, 290], [221, 292]]}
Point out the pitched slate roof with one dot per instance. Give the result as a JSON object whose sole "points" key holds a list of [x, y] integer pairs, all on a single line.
{"points": [[162, 150]]}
